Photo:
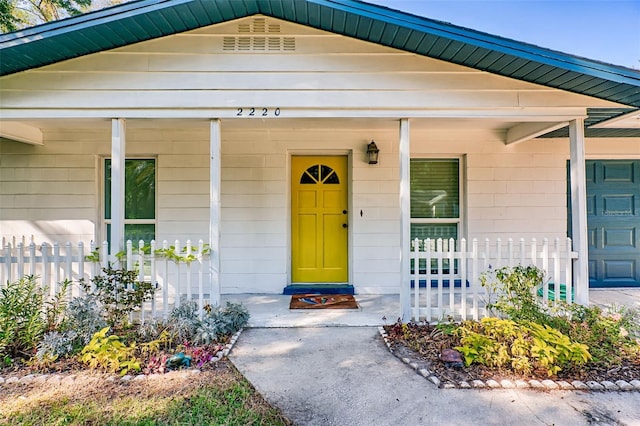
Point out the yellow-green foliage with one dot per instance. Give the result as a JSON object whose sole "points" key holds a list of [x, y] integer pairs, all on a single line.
{"points": [[110, 353], [522, 347], [553, 349]]}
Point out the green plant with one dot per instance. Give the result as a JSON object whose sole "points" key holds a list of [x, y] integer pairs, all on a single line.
{"points": [[180, 255], [54, 345], [184, 321], [514, 288], [94, 256], [110, 353], [220, 321], [610, 334], [21, 320], [522, 347], [554, 350], [55, 308], [120, 293], [84, 315], [150, 330]]}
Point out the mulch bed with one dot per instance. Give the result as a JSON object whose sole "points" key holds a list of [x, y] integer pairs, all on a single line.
{"points": [[427, 343]]}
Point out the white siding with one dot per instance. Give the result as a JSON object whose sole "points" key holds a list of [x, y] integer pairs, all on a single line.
{"points": [[324, 70]]}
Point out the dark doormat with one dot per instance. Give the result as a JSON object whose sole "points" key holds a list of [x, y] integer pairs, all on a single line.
{"points": [[323, 301]]}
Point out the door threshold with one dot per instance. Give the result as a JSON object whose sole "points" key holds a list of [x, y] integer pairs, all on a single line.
{"points": [[318, 289]]}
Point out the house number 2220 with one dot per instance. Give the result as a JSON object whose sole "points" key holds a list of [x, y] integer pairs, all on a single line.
{"points": [[257, 112]]}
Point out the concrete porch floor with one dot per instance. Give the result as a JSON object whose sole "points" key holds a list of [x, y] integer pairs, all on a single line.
{"points": [[272, 310]]}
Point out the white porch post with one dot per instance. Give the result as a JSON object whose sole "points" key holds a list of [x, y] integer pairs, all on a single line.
{"points": [[214, 209], [405, 221], [579, 210], [118, 149]]}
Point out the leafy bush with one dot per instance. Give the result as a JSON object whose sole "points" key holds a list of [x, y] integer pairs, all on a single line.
{"points": [[522, 347], [553, 350], [54, 345], [21, 318], [185, 325], [514, 288], [54, 308], [110, 353], [221, 321], [184, 321], [120, 293], [84, 315], [150, 330], [610, 334]]}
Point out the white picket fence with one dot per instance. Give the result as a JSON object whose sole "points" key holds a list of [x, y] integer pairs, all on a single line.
{"points": [[445, 274], [184, 276]]}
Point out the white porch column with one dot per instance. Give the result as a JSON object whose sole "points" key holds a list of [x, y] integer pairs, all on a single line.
{"points": [[579, 210], [118, 149], [214, 208], [405, 221]]}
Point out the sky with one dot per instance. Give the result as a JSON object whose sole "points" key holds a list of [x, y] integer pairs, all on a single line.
{"points": [[604, 30]]}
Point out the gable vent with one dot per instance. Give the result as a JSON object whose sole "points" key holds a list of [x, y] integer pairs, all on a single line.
{"points": [[258, 36]]}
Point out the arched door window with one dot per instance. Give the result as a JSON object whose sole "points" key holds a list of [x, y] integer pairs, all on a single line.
{"points": [[319, 173]]}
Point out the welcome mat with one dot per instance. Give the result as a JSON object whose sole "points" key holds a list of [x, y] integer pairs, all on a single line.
{"points": [[323, 301]]}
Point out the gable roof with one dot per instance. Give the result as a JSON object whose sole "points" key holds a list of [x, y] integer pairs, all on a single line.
{"points": [[142, 20]]}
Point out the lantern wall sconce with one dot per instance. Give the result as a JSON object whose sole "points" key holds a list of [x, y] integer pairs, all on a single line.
{"points": [[372, 153]]}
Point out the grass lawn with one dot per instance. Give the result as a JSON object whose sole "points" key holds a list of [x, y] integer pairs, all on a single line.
{"points": [[218, 396]]}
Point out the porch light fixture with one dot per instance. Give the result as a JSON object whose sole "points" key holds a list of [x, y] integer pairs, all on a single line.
{"points": [[372, 153]]}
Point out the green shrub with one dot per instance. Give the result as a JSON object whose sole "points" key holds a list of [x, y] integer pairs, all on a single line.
{"points": [[120, 293], [610, 334], [22, 322], [55, 345], [220, 321], [514, 289], [553, 350], [85, 316], [522, 347], [110, 353], [183, 321], [54, 308]]}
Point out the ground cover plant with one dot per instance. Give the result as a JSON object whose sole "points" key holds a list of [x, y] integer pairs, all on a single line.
{"points": [[528, 338], [94, 336]]}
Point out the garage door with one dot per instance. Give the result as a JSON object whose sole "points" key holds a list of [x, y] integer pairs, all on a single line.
{"points": [[613, 218]]}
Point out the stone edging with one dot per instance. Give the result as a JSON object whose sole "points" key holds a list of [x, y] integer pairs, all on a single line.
{"points": [[422, 367], [58, 379]]}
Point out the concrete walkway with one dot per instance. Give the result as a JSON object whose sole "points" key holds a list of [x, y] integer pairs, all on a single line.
{"points": [[272, 310], [346, 376]]}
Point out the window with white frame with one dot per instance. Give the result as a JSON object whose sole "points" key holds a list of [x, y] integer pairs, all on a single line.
{"points": [[435, 198], [435, 202], [139, 199]]}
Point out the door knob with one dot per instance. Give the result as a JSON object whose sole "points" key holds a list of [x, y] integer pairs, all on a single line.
{"points": [[344, 212], [344, 225]]}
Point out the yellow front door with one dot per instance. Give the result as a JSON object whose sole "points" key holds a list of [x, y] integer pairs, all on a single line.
{"points": [[319, 219]]}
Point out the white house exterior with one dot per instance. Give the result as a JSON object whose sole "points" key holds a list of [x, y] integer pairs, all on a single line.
{"points": [[234, 115]]}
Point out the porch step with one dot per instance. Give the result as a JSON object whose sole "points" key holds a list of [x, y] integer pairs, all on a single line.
{"points": [[318, 289]]}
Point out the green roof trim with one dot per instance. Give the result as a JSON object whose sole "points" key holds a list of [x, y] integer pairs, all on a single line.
{"points": [[599, 115], [142, 20]]}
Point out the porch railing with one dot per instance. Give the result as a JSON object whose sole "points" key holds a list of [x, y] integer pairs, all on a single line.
{"points": [[445, 274], [178, 272]]}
